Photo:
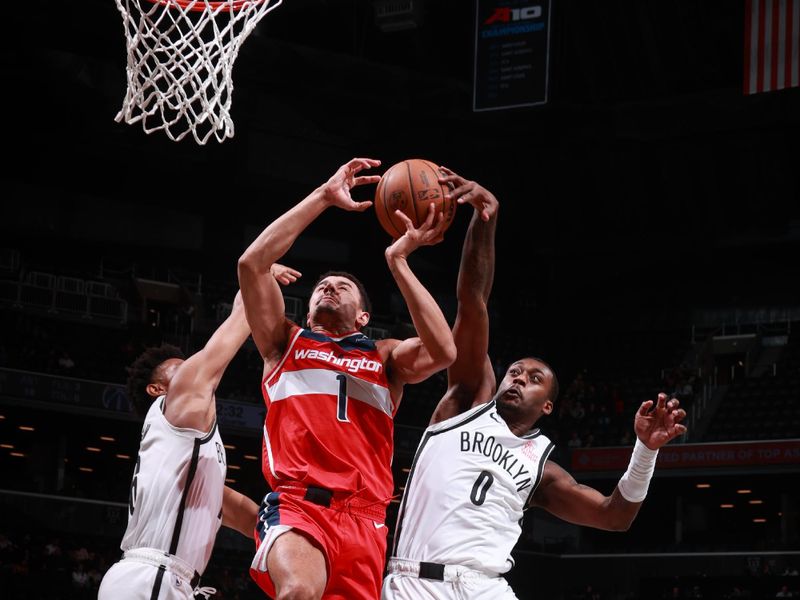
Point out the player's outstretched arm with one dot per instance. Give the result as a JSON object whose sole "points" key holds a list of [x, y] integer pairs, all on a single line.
{"points": [[415, 359], [190, 399], [239, 512], [262, 297], [561, 495], [471, 379]]}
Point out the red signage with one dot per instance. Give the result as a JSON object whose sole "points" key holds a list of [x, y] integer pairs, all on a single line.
{"points": [[692, 456]]}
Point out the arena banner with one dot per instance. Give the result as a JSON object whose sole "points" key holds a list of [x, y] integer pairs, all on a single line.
{"points": [[691, 456], [87, 395], [512, 46]]}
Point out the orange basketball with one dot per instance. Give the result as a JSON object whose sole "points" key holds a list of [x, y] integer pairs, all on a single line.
{"points": [[411, 186]]}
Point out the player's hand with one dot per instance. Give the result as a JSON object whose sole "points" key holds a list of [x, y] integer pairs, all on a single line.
{"points": [[469, 192], [283, 274], [430, 232], [657, 425], [336, 191]]}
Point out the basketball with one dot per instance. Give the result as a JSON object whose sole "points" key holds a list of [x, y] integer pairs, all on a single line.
{"points": [[411, 186]]}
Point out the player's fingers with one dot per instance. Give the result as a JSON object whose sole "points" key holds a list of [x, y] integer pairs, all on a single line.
{"points": [[430, 217], [662, 400], [362, 206], [404, 218], [460, 190], [438, 230], [452, 180], [366, 163], [366, 179], [645, 407]]}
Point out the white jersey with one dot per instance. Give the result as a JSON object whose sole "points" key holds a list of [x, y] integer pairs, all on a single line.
{"points": [[469, 484], [175, 503]]}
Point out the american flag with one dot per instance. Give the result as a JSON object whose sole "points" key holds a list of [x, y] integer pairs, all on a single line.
{"points": [[771, 34]]}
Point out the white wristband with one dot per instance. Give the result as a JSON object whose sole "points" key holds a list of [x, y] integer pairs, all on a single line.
{"points": [[634, 483]]}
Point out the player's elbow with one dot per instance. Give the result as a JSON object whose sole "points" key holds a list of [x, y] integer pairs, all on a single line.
{"points": [[246, 262], [447, 355], [248, 266], [471, 301], [621, 527], [620, 523]]}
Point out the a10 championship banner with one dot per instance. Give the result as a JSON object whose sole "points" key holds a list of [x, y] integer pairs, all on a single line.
{"points": [[512, 45]]}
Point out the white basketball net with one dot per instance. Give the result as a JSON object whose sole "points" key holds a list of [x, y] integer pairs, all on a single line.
{"points": [[180, 58]]}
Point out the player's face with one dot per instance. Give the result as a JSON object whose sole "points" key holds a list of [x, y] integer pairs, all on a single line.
{"points": [[336, 299], [525, 390]]}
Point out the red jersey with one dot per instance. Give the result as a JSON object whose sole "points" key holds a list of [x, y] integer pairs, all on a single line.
{"points": [[329, 417]]}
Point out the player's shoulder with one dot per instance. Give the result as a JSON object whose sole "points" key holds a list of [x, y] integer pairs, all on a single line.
{"points": [[462, 418], [386, 346]]}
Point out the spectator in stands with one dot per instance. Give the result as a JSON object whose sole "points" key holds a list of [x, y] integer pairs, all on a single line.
{"points": [[574, 440], [65, 363], [737, 592], [591, 594], [578, 412], [80, 578]]}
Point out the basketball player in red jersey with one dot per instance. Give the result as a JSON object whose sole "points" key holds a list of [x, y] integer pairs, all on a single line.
{"points": [[331, 394]]}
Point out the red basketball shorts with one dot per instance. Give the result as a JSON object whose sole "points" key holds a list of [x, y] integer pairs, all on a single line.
{"points": [[351, 536]]}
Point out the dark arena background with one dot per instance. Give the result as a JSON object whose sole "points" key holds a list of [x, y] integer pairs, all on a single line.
{"points": [[648, 240]]}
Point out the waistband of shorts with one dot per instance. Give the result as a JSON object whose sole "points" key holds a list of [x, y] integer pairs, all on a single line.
{"points": [[348, 502], [159, 558], [435, 571]]}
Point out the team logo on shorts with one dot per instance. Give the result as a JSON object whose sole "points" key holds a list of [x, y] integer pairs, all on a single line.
{"points": [[178, 581]]}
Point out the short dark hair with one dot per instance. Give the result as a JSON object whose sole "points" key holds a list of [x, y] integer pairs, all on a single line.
{"points": [[366, 305], [141, 372]]}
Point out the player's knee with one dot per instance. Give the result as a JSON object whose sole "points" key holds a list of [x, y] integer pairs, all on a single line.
{"points": [[299, 590]]}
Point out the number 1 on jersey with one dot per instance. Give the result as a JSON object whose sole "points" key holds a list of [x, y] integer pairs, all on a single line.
{"points": [[341, 405]]}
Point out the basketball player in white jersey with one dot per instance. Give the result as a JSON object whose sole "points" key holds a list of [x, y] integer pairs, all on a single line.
{"points": [[481, 463], [178, 497]]}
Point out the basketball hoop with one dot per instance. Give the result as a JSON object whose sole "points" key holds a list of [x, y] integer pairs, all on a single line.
{"points": [[180, 59]]}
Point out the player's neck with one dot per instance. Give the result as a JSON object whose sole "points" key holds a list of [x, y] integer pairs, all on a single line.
{"points": [[332, 330], [518, 427]]}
